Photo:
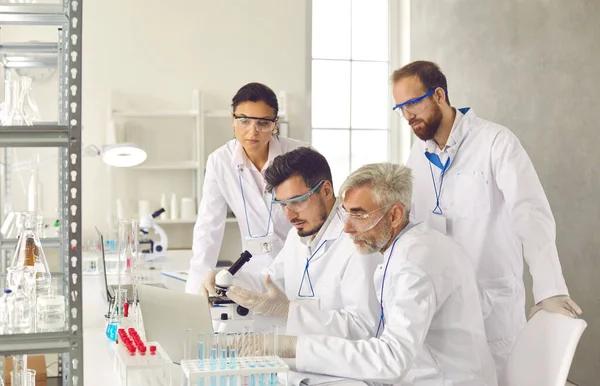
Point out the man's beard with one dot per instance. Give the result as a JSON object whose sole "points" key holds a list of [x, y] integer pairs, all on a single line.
{"points": [[376, 243], [430, 127], [323, 217]]}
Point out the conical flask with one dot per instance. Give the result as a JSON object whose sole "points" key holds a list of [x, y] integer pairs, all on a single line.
{"points": [[29, 252]]}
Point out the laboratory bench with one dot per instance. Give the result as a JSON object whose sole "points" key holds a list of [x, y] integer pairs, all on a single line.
{"points": [[99, 352]]}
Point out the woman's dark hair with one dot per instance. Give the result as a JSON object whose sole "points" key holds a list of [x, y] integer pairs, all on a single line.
{"points": [[255, 92], [305, 162]]}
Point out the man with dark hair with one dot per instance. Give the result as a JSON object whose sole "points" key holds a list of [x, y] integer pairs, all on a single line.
{"points": [[317, 282], [475, 183]]}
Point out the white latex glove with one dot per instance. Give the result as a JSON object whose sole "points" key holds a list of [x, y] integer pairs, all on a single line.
{"points": [[209, 283], [561, 304], [263, 345], [270, 303]]}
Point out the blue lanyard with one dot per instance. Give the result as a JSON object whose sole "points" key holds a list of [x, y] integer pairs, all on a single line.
{"points": [[382, 314], [246, 210], [307, 274], [435, 159]]}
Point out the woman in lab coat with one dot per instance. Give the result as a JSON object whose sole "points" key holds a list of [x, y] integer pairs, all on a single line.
{"points": [[234, 177]]}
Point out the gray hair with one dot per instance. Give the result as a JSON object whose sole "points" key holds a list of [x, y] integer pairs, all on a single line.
{"points": [[390, 183]]}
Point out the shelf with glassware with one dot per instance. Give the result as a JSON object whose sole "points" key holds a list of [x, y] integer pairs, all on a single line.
{"points": [[22, 128]]}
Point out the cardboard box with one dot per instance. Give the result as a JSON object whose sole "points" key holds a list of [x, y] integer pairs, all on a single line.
{"points": [[35, 362]]}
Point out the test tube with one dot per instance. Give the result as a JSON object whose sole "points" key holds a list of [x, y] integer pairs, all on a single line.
{"points": [[275, 332], [234, 342], [205, 341], [213, 358], [120, 300], [214, 347], [274, 350]]}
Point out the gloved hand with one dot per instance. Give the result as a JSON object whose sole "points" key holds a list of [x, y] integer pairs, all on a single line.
{"points": [[263, 344], [270, 303], [561, 304], [209, 283]]}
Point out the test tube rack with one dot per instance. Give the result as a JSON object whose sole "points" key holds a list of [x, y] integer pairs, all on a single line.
{"points": [[141, 364], [240, 371]]}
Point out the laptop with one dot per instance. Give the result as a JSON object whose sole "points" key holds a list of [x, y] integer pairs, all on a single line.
{"points": [[108, 291], [174, 319]]}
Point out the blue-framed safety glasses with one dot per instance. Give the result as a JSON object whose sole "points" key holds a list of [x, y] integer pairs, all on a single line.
{"points": [[412, 106]]}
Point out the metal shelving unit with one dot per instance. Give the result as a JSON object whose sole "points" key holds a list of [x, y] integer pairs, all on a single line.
{"points": [[65, 135]]}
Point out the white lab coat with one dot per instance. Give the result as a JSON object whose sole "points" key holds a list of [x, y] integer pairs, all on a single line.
{"points": [[342, 281], [221, 188], [433, 333], [497, 210]]}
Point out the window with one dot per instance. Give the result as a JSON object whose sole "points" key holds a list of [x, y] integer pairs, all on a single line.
{"points": [[350, 83]]}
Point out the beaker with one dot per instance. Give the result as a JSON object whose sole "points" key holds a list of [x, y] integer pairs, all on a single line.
{"points": [[23, 377], [22, 279], [22, 311], [29, 252], [51, 309]]}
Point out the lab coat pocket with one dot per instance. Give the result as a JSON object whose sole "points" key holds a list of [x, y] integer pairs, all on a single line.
{"points": [[471, 194], [329, 295], [499, 305]]}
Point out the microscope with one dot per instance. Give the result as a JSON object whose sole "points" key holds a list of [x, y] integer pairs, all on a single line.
{"points": [[237, 316], [150, 248]]}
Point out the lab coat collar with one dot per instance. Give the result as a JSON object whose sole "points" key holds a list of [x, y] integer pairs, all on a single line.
{"points": [[457, 133], [388, 251], [240, 158], [332, 228]]}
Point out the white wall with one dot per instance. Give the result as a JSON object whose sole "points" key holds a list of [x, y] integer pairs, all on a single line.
{"points": [[165, 49]]}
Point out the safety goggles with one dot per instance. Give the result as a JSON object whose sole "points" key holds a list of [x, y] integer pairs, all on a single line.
{"points": [[363, 222], [298, 204], [412, 106], [262, 125]]}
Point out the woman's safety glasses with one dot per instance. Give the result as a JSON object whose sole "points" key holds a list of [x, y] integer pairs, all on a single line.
{"points": [[412, 106], [262, 125], [363, 222], [298, 204]]}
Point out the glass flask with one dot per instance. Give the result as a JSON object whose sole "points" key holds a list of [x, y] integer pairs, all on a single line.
{"points": [[29, 253]]}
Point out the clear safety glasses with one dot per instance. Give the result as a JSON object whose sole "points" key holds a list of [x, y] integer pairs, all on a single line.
{"points": [[298, 204], [363, 222], [412, 106], [262, 125]]}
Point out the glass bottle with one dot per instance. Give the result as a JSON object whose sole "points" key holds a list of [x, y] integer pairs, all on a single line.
{"points": [[29, 252]]}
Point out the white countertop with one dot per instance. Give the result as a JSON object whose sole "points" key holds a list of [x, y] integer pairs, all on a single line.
{"points": [[98, 350]]}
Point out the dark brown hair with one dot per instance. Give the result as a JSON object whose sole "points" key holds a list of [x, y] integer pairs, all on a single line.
{"points": [[429, 74]]}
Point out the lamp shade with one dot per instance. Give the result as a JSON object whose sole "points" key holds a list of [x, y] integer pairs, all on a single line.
{"points": [[123, 155]]}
